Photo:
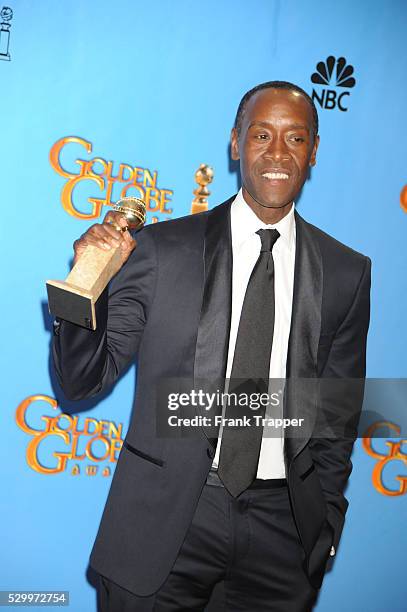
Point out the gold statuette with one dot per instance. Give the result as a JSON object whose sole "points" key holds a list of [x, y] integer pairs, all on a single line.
{"points": [[74, 299], [203, 176]]}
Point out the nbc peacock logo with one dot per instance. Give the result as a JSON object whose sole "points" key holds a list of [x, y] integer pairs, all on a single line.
{"points": [[333, 73]]}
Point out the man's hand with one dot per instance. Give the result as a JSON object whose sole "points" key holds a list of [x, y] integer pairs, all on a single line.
{"points": [[106, 236]]}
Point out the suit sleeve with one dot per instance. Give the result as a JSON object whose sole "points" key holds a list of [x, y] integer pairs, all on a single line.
{"points": [[87, 362], [341, 397]]}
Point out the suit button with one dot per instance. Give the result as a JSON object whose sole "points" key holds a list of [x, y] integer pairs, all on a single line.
{"points": [[210, 452], [56, 326]]}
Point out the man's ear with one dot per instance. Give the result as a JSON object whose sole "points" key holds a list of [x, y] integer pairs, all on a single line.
{"points": [[313, 158], [234, 144]]}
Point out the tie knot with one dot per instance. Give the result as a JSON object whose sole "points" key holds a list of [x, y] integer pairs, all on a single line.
{"points": [[268, 239]]}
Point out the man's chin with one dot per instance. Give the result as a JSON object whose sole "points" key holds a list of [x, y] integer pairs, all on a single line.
{"points": [[275, 204], [271, 201]]}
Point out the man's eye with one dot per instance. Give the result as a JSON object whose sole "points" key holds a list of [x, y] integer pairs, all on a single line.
{"points": [[261, 136], [298, 139]]}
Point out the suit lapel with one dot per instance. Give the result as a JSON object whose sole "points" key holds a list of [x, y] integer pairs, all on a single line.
{"points": [[301, 392], [214, 325]]}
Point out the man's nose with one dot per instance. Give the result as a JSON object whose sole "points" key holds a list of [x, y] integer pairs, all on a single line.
{"points": [[277, 149]]}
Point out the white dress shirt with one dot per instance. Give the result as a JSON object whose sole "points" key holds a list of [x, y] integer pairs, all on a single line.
{"points": [[246, 249]]}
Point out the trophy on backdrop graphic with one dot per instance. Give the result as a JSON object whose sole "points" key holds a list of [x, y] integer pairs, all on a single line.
{"points": [[74, 299], [6, 15], [203, 176]]}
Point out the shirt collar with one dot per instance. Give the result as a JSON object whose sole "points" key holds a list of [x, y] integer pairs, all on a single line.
{"points": [[245, 223]]}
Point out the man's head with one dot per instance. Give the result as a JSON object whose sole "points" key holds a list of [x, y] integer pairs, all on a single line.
{"points": [[275, 137]]}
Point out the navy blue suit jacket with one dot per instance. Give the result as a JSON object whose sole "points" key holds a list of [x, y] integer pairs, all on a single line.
{"points": [[169, 309]]}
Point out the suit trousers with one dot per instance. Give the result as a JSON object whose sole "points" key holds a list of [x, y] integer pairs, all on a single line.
{"points": [[249, 544]]}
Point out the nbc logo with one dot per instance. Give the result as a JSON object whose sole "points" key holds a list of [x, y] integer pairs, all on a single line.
{"points": [[335, 73]]}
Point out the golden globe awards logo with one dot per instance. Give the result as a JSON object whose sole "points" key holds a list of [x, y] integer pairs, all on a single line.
{"points": [[64, 443], [333, 73], [394, 453], [105, 177]]}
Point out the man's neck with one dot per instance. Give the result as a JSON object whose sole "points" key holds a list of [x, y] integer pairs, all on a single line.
{"points": [[268, 215]]}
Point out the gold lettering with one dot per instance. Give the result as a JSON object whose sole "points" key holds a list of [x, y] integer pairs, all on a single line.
{"points": [[115, 447], [32, 454], [378, 471], [367, 438], [23, 407], [138, 175], [97, 160], [139, 191], [104, 428], [121, 176], [148, 179], [61, 417], [67, 203], [152, 195], [115, 431], [67, 427], [75, 439], [383, 459], [89, 452], [141, 181], [164, 199], [88, 422], [56, 150]]}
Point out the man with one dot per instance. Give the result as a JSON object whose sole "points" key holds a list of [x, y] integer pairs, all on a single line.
{"points": [[261, 514]]}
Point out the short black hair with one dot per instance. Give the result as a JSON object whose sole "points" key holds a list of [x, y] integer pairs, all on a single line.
{"points": [[275, 85]]}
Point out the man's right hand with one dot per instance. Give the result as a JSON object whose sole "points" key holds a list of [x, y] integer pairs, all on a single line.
{"points": [[105, 236]]}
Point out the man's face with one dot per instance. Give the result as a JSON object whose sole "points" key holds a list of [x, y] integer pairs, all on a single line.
{"points": [[275, 146]]}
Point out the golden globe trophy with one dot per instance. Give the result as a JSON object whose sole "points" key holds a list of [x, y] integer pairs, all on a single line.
{"points": [[74, 299], [203, 176]]}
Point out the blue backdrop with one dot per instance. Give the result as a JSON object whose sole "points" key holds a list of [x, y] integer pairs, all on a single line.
{"points": [[154, 87]]}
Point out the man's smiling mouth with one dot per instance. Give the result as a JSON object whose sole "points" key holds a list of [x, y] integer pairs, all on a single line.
{"points": [[271, 176]]}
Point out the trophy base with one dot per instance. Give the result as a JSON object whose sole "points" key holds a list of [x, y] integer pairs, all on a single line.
{"points": [[71, 303]]}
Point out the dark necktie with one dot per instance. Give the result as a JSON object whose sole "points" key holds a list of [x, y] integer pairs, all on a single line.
{"points": [[240, 446]]}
